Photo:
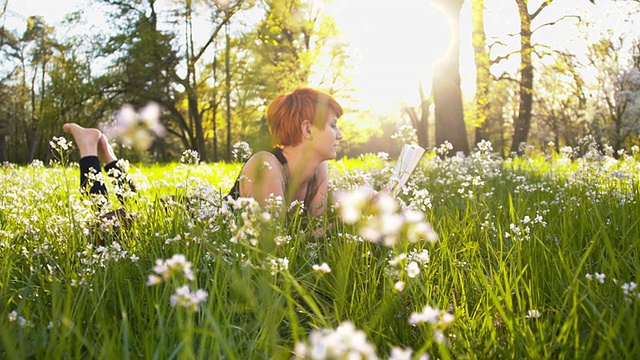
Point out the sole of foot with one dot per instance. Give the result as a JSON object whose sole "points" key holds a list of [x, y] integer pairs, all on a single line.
{"points": [[86, 139]]}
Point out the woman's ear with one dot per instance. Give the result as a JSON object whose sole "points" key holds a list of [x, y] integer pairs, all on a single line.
{"points": [[305, 127]]}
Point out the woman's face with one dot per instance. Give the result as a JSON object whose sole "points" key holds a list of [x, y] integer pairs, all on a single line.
{"points": [[326, 139]]}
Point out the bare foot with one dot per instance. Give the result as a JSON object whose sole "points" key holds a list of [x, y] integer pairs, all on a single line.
{"points": [[105, 151], [86, 139]]}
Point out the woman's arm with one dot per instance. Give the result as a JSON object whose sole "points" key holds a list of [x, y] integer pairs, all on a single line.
{"points": [[318, 204]]}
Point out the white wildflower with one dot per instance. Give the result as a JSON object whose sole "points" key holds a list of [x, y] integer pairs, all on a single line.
{"points": [[400, 354], [533, 314], [167, 269], [136, 129], [277, 265], [185, 298], [428, 314], [324, 268], [190, 156], [345, 342], [413, 269]]}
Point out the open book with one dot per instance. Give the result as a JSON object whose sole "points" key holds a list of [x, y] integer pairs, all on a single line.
{"points": [[407, 162]]}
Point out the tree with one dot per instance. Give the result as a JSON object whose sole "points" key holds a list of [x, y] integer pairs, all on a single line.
{"points": [[560, 104], [169, 66], [41, 36], [26, 62], [447, 94], [142, 61], [483, 73], [6, 38], [283, 49], [522, 123], [421, 122], [502, 108], [617, 112]]}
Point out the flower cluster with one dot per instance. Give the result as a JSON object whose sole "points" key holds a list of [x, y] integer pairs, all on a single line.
{"points": [[440, 320], [277, 265], [185, 298], [405, 134], [282, 240], [324, 268], [630, 291], [380, 218], [190, 156], [596, 277], [177, 268], [165, 270], [345, 342], [412, 263], [241, 151], [522, 231], [136, 129], [22, 322], [398, 353], [431, 315], [60, 144], [533, 314], [252, 218], [92, 258]]}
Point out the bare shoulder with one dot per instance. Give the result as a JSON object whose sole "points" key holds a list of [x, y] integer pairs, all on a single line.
{"points": [[262, 162], [261, 177], [263, 167]]}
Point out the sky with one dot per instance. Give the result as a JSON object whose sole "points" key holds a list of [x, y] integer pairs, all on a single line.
{"points": [[395, 43]]}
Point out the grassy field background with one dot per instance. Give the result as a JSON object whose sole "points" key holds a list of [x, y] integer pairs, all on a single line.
{"points": [[536, 257]]}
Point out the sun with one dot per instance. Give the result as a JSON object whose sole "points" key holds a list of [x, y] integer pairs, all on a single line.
{"points": [[394, 46]]}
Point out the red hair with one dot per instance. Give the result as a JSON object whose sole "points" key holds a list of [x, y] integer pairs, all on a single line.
{"points": [[286, 113]]}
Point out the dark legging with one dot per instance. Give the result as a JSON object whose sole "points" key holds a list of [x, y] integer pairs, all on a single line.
{"points": [[91, 164]]}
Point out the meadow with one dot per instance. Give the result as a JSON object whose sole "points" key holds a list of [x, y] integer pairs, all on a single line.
{"points": [[479, 257]]}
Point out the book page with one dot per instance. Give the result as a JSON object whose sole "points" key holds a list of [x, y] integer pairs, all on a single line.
{"points": [[407, 162]]}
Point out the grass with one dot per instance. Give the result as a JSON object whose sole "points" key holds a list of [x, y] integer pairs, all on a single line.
{"points": [[536, 257]]}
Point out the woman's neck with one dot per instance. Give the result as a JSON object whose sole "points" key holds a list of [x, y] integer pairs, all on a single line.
{"points": [[301, 162]]}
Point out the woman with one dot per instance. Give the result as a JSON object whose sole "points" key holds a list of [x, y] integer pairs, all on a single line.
{"points": [[303, 125], [304, 128]]}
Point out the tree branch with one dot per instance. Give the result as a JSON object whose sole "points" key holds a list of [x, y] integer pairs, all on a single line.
{"points": [[551, 23], [507, 77], [542, 7], [228, 14], [499, 59]]}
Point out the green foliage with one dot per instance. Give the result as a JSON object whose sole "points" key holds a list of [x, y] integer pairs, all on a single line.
{"points": [[282, 49], [536, 258], [176, 57]]}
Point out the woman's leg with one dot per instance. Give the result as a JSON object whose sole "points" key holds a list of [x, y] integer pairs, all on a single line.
{"points": [[87, 141], [112, 168]]}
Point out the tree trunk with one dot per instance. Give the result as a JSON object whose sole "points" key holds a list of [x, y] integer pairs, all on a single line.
{"points": [[447, 95], [3, 149], [483, 74], [421, 123], [192, 94], [33, 140], [214, 104], [197, 122], [425, 111], [522, 123], [228, 89]]}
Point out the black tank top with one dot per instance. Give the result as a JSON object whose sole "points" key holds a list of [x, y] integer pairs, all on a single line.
{"points": [[277, 152]]}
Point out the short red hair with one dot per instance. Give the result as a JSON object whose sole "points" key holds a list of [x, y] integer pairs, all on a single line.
{"points": [[286, 113]]}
